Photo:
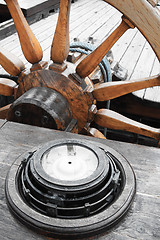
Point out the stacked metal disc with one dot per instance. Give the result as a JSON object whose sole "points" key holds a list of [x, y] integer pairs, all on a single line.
{"points": [[59, 182]]}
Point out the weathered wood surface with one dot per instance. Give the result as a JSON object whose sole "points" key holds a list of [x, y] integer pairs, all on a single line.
{"points": [[107, 91], [113, 120], [142, 221], [7, 87], [10, 62], [60, 44]]}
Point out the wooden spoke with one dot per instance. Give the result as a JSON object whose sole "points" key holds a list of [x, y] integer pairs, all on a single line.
{"points": [[30, 46], [60, 44], [96, 133], [4, 111], [7, 87], [148, 24], [110, 90], [88, 65], [113, 120], [12, 64]]}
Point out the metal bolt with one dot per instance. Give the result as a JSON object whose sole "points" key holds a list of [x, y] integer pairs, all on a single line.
{"points": [[18, 113]]}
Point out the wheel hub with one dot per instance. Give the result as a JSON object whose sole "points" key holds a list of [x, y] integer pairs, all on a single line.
{"points": [[78, 100]]}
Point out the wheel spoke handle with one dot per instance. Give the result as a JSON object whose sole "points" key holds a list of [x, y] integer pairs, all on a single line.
{"points": [[7, 87], [60, 44], [12, 64], [30, 45], [96, 133], [110, 90], [88, 65], [110, 119]]}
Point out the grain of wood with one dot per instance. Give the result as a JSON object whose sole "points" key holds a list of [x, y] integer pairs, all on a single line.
{"points": [[130, 57], [11, 63], [89, 22], [111, 90], [122, 45], [7, 87], [110, 119], [146, 60], [60, 44], [113, 19]]}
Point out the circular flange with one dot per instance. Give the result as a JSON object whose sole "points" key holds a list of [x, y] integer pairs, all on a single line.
{"points": [[64, 227], [82, 183]]}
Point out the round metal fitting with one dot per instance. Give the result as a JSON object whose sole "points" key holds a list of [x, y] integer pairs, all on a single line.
{"points": [[70, 188]]}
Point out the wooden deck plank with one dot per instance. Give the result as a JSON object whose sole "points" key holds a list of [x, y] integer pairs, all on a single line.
{"points": [[146, 59], [74, 24], [112, 20], [1, 122], [133, 53], [87, 25], [122, 45], [153, 93]]}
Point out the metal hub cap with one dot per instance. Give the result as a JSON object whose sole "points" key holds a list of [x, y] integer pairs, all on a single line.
{"points": [[69, 162]]}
